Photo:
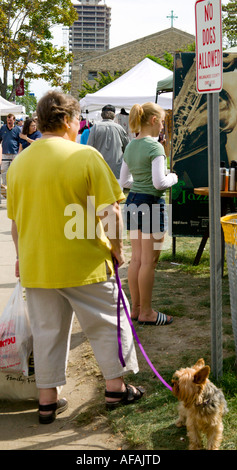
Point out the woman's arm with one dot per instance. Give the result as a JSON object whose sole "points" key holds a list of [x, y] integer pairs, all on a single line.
{"points": [[159, 178], [126, 179], [112, 221], [25, 137]]}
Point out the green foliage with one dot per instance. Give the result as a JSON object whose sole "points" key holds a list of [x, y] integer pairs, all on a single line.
{"points": [[26, 39], [189, 48], [167, 61], [101, 82], [229, 23]]}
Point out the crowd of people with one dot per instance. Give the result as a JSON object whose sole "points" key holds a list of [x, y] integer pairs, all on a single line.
{"points": [[51, 180], [14, 137]]}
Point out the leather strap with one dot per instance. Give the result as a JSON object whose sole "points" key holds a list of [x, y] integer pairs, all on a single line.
{"points": [[50, 407]]}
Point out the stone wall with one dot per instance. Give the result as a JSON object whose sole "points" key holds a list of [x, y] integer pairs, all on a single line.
{"points": [[126, 56]]}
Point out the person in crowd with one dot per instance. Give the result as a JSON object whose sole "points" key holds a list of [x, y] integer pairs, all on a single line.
{"points": [[122, 118], [70, 266], [29, 134], [110, 139], [10, 139], [143, 171], [85, 134], [20, 123]]}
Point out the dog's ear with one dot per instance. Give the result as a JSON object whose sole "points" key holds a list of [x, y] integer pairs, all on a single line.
{"points": [[201, 375], [175, 387], [199, 363]]}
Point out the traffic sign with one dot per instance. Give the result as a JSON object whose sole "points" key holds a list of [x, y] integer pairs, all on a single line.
{"points": [[209, 57]]}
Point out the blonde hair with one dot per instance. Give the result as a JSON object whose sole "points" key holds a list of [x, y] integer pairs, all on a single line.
{"points": [[140, 115]]}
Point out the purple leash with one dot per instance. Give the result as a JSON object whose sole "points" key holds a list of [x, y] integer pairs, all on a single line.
{"points": [[121, 297]]}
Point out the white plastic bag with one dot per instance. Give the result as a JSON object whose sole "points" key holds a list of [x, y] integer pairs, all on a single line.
{"points": [[15, 387], [16, 342]]}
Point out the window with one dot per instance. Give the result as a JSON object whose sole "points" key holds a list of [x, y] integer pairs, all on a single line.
{"points": [[92, 75]]}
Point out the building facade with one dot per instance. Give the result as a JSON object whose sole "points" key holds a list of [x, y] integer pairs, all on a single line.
{"points": [[87, 64], [91, 31]]}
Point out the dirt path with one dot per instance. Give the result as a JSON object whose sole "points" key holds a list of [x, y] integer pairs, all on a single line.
{"points": [[19, 427]]}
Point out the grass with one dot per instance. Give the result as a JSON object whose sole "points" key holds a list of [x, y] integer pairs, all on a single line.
{"points": [[150, 424], [182, 290]]}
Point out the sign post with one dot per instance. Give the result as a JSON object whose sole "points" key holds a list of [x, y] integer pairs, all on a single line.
{"points": [[209, 68]]}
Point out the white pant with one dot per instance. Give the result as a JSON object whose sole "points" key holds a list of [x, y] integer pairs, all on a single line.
{"points": [[6, 161], [95, 306]]}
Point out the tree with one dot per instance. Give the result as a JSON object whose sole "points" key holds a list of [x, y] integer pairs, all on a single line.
{"points": [[26, 40], [229, 22], [103, 80], [168, 58], [167, 61]]}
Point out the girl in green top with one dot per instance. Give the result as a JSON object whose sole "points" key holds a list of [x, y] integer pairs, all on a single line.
{"points": [[144, 172]]}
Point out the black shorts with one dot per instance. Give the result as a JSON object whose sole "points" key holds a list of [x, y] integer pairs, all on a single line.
{"points": [[144, 212]]}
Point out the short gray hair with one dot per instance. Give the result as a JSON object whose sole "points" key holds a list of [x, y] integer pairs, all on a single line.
{"points": [[107, 115]]}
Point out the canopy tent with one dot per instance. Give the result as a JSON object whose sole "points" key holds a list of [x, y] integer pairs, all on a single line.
{"points": [[231, 49], [138, 85], [6, 107], [165, 85]]}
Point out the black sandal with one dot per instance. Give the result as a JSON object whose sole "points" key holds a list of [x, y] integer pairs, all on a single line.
{"points": [[126, 398], [162, 319], [56, 408]]}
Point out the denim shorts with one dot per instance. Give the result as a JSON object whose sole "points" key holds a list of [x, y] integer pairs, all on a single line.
{"points": [[144, 212]]}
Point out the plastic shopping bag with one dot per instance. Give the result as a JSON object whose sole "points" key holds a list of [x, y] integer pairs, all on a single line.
{"points": [[16, 342], [14, 386]]}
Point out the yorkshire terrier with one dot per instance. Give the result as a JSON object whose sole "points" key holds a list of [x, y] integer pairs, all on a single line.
{"points": [[201, 406]]}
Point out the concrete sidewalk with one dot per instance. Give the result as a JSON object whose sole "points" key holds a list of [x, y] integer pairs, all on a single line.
{"points": [[7, 257]]}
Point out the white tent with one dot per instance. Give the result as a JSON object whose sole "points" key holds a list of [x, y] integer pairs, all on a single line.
{"points": [[6, 107], [138, 85], [231, 49]]}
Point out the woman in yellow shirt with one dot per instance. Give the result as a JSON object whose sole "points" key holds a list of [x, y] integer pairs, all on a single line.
{"points": [[59, 196]]}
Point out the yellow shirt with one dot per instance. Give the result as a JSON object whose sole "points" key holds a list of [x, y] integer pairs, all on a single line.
{"points": [[50, 187]]}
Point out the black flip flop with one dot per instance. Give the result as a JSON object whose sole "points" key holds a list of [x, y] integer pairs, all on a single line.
{"points": [[161, 320]]}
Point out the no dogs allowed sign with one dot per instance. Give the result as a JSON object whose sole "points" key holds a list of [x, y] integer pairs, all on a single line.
{"points": [[209, 57]]}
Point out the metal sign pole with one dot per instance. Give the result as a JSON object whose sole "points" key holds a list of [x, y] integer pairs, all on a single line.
{"points": [[215, 233]]}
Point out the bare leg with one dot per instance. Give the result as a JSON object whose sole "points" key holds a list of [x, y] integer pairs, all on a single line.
{"points": [[47, 396], [115, 385], [141, 274], [149, 260], [133, 272]]}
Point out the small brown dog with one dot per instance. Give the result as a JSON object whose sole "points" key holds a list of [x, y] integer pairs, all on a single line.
{"points": [[201, 407]]}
